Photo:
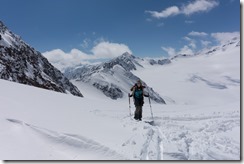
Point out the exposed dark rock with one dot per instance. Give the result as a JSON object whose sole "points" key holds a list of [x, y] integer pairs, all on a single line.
{"points": [[23, 64], [114, 78]]}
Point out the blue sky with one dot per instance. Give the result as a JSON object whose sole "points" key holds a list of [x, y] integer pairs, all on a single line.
{"points": [[150, 28]]}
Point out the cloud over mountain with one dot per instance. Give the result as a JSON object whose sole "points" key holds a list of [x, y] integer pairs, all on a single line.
{"points": [[103, 50], [225, 36]]}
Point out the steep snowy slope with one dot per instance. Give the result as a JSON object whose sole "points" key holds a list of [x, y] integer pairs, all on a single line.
{"points": [[23, 64]]}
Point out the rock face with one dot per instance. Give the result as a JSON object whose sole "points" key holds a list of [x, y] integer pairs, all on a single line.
{"points": [[159, 62], [126, 61], [23, 64], [114, 78]]}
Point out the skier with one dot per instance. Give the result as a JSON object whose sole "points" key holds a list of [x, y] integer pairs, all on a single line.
{"points": [[138, 95]]}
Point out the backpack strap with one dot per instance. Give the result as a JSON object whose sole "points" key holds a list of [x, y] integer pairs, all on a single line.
{"points": [[133, 87]]}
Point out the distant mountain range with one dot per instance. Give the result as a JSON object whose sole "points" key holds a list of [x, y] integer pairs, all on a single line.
{"points": [[114, 78], [23, 64]]}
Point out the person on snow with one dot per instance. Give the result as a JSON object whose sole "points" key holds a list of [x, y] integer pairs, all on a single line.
{"points": [[138, 95]]}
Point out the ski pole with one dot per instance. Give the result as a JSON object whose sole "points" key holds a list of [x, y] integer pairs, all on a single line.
{"points": [[150, 104], [129, 104]]}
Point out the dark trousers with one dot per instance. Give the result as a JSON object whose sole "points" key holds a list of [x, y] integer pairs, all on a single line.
{"points": [[138, 113]]}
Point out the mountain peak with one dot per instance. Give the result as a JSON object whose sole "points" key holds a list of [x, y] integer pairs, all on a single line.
{"points": [[22, 64], [126, 54], [113, 78], [126, 60]]}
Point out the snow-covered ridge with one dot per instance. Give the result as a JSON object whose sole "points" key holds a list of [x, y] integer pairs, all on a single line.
{"points": [[23, 64], [114, 78], [126, 60], [230, 44]]}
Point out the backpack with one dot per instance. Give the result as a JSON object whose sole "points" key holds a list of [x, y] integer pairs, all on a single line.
{"points": [[138, 93]]}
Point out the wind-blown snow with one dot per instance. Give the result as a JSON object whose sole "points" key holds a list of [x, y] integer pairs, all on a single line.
{"points": [[201, 120]]}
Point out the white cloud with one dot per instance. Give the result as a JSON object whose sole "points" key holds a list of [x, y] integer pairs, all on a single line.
{"points": [[184, 50], [191, 8], [171, 51], [99, 40], [192, 42], [109, 50], [200, 34], [170, 11], [187, 38], [192, 46], [62, 60], [205, 43], [223, 37], [102, 50], [85, 43], [199, 6]]}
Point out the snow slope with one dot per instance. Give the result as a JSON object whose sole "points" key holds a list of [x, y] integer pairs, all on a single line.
{"points": [[201, 120], [203, 79], [38, 124], [113, 78]]}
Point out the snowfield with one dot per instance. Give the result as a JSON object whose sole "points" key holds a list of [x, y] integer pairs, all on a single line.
{"points": [[37, 124], [201, 120]]}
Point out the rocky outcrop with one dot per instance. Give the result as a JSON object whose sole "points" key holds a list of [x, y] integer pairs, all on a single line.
{"points": [[23, 64]]}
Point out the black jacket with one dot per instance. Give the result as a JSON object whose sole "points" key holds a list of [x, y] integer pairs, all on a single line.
{"points": [[138, 101]]}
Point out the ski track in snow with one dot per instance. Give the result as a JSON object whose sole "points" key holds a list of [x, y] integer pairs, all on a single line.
{"points": [[204, 140], [178, 137], [187, 137], [152, 148], [150, 141], [67, 143]]}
